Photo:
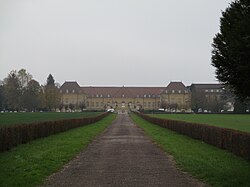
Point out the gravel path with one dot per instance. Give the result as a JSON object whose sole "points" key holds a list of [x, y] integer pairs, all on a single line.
{"points": [[122, 156]]}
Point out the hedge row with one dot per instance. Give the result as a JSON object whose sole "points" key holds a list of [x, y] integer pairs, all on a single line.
{"points": [[12, 136], [234, 141]]}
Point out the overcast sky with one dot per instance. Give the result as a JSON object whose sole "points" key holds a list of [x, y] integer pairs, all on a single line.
{"points": [[110, 42]]}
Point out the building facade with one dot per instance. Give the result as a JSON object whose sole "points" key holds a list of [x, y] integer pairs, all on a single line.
{"points": [[129, 98], [210, 97]]}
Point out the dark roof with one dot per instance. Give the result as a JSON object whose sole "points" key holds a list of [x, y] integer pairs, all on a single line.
{"points": [[70, 86], [176, 86], [206, 86], [119, 92]]}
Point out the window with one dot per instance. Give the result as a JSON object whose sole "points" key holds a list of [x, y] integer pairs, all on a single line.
{"points": [[97, 95], [108, 95], [149, 104], [67, 91], [73, 91], [97, 104], [145, 95], [179, 91], [218, 90], [60, 91], [206, 90], [101, 95], [149, 96], [173, 91], [166, 91], [212, 90]]}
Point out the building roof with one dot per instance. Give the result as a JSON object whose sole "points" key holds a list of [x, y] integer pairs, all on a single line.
{"points": [[70, 86], [206, 86], [177, 87], [120, 92]]}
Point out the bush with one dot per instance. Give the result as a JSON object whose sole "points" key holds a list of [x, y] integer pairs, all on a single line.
{"points": [[12, 136], [234, 141]]}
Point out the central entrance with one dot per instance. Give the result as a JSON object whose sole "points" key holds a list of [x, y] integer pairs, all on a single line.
{"points": [[122, 111]]}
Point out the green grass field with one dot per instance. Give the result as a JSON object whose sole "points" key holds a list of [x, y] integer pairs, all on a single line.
{"points": [[232, 121], [212, 165], [29, 164], [29, 117]]}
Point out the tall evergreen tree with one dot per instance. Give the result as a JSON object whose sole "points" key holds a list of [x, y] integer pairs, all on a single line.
{"points": [[50, 80], [231, 48]]}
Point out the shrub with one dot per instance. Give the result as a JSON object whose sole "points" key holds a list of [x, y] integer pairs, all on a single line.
{"points": [[234, 141], [12, 136]]}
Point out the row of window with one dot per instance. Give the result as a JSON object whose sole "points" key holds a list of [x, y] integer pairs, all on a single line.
{"points": [[123, 95], [97, 95], [151, 104], [101, 104], [145, 95], [148, 96], [176, 91], [67, 91], [214, 90]]}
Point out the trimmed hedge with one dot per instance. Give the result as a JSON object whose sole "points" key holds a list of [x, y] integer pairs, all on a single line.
{"points": [[234, 141], [12, 136]]}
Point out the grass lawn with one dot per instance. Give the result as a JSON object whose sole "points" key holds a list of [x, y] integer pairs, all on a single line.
{"points": [[212, 165], [29, 164], [29, 117], [232, 121]]}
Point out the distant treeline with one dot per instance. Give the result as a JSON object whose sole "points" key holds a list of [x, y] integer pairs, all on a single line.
{"points": [[20, 92]]}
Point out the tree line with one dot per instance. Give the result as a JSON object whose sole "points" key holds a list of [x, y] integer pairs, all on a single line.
{"points": [[20, 92]]}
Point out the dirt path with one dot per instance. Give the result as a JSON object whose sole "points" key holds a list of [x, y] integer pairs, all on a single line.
{"points": [[122, 156]]}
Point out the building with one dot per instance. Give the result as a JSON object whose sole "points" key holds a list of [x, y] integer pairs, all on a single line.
{"points": [[211, 91], [128, 98], [209, 97], [176, 96]]}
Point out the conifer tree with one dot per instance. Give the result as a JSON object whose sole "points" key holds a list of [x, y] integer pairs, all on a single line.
{"points": [[231, 49]]}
